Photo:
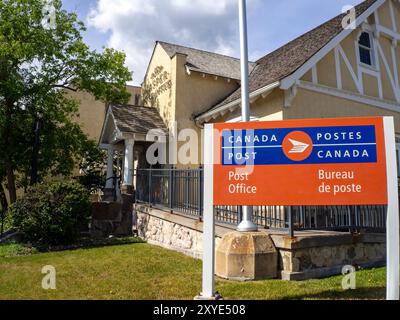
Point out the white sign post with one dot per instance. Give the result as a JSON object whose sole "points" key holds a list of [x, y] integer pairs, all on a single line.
{"points": [[392, 230], [208, 292]]}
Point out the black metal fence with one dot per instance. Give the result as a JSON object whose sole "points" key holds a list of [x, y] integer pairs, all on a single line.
{"points": [[181, 190], [173, 189]]}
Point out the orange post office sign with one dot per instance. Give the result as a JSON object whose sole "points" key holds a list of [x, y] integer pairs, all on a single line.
{"points": [[300, 162]]}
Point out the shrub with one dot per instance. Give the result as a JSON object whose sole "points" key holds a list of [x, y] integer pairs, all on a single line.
{"points": [[52, 214], [5, 221]]}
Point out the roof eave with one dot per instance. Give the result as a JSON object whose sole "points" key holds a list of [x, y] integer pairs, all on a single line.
{"points": [[116, 135], [234, 104], [192, 69]]}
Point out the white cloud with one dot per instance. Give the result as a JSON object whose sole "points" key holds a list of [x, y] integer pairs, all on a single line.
{"points": [[135, 25]]}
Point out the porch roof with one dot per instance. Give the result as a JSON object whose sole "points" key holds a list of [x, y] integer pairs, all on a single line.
{"points": [[128, 121]]}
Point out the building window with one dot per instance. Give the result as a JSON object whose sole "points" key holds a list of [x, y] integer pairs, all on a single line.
{"points": [[365, 49]]}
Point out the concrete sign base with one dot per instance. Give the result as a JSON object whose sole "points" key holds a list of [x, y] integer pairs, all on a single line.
{"points": [[245, 256]]}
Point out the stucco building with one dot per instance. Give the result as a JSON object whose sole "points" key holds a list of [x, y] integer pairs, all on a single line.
{"points": [[92, 112], [328, 72]]}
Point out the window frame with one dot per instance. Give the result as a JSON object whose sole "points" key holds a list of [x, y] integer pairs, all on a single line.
{"points": [[371, 50]]}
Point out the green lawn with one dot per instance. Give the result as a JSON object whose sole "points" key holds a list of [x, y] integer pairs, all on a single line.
{"points": [[143, 271]]}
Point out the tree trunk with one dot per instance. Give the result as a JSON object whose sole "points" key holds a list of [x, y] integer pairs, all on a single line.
{"points": [[4, 208], [35, 151], [12, 190], [8, 160], [5, 141]]}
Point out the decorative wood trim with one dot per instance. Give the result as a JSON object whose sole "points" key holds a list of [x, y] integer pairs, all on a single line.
{"points": [[290, 94], [376, 16], [392, 16], [389, 73], [314, 72], [389, 33], [253, 118], [374, 70], [339, 84], [395, 69], [290, 80], [356, 79], [380, 87]]}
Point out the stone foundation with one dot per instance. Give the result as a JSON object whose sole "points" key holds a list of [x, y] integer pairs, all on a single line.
{"points": [[171, 231], [309, 255], [319, 256]]}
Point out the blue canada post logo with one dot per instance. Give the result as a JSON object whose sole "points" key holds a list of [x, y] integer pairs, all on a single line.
{"points": [[316, 145]]}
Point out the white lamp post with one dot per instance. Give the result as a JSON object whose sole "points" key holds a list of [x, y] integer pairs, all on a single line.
{"points": [[246, 224]]}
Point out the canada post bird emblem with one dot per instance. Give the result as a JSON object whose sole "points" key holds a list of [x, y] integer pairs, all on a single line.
{"points": [[298, 147]]}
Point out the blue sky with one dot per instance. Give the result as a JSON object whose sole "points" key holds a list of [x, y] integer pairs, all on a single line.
{"points": [[134, 25]]}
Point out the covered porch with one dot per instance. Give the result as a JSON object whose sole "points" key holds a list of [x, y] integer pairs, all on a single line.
{"points": [[127, 133]]}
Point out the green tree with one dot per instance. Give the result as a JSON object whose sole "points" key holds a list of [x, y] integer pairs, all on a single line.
{"points": [[42, 55]]}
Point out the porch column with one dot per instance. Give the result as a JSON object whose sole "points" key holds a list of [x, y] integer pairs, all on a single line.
{"points": [[110, 168], [128, 163]]}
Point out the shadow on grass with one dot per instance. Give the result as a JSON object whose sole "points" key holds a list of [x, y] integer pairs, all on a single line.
{"points": [[90, 243], [374, 293], [14, 248]]}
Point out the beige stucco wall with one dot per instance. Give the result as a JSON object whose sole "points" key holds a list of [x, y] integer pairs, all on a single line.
{"points": [[326, 70], [273, 109], [349, 48], [186, 94], [307, 76], [370, 84], [384, 15], [160, 85], [92, 112], [309, 105], [267, 109], [197, 93]]}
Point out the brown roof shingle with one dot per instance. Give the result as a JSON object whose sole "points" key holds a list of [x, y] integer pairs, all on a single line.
{"points": [[134, 119], [287, 59], [207, 62]]}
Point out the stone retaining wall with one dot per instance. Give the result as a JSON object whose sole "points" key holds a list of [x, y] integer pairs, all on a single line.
{"points": [[311, 255], [170, 235], [318, 262]]}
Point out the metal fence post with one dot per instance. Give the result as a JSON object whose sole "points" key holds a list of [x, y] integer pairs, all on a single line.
{"points": [[171, 189], [150, 182], [290, 214], [200, 192]]}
